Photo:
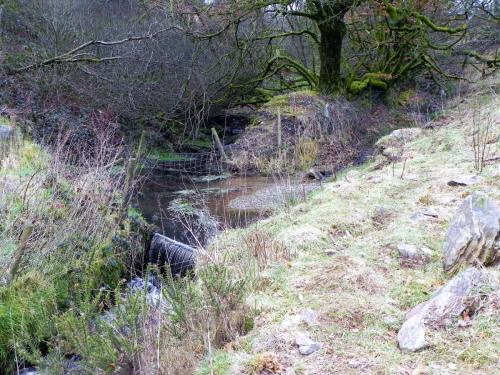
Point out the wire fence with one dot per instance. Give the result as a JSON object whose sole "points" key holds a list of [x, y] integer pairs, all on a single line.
{"points": [[189, 163]]}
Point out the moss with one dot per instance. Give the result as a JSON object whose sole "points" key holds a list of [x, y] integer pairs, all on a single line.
{"points": [[358, 86], [279, 102], [392, 11], [284, 102], [378, 80]]}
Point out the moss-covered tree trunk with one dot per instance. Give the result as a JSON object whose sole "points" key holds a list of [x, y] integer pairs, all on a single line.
{"points": [[330, 52]]}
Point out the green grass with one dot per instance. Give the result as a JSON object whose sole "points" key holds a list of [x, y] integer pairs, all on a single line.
{"points": [[163, 155], [354, 290], [219, 363], [4, 121], [200, 143]]}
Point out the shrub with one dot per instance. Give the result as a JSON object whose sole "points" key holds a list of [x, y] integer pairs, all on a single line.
{"points": [[107, 340], [27, 308]]}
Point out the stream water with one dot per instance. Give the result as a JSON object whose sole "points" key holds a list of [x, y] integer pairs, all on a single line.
{"points": [[159, 191]]}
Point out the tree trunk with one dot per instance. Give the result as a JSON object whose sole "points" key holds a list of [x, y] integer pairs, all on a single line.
{"points": [[330, 53]]}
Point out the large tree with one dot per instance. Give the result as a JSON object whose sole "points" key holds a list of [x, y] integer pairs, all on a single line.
{"points": [[387, 39]]}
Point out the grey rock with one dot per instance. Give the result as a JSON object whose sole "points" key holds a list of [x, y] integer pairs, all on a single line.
{"points": [[464, 291], [430, 212], [411, 336], [152, 289], [305, 344], [412, 252], [29, 371], [303, 339], [408, 251], [309, 316], [474, 234], [425, 214], [465, 181], [309, 349]]}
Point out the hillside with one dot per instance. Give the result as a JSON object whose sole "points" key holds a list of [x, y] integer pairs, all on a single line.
{"points": [[340, 277]]}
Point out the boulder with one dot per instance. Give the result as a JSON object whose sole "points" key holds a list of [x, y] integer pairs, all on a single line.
{"points": [[463, 292], [474, 234]]}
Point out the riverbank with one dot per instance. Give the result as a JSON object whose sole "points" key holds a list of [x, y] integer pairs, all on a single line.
{"points": [[347, 286], [308, 290]]}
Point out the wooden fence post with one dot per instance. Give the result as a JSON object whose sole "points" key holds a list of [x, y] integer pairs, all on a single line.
{"points": [[219, 145]]}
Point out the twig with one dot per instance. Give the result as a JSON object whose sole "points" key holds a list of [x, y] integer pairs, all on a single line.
{"points": [[404, 167]]}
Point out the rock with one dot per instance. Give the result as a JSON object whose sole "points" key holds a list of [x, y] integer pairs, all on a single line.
{"points": [[391, 146], [303, 339], [465, 181], [413, 253], [151, 288], [390, 320], [463, 292], [309, 316], [305, 344], [411, 336], [430, 212], [309, 349], [28, 371], [474, 234], [424, 215]]}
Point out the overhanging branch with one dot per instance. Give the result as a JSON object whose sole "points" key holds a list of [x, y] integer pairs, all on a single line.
{"points": [[76, 55]]}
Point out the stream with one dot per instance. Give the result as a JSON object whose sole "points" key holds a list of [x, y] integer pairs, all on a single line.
{"points": [[213, 195]]}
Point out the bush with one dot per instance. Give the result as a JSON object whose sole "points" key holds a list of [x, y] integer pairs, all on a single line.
{"points": [[27, 309], [107, 340]]}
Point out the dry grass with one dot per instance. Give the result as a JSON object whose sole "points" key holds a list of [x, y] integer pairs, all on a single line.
{"points": [[69, 205], [348, 272]]}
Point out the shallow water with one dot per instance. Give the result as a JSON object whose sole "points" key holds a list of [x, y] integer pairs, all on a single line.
{"points": [[159, 190]]}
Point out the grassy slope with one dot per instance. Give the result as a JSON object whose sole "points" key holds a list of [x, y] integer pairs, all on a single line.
{"points": [[362, 291]]}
